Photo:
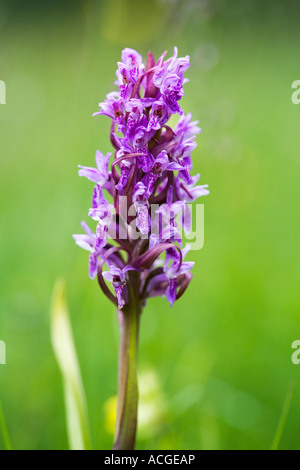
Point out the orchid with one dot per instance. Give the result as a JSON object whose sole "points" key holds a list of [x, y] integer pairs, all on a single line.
{"points": [[151, 166]]}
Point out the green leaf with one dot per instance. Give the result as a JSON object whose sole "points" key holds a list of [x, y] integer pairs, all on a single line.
{"points": [[65, 352]]}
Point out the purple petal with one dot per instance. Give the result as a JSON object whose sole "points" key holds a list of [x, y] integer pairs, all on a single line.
{"points": [[93, 265], [84, 241], [171, 292], [174, 166], [146, 102], [108, 276], [186, 219], [91, 174], [131, 57], [119, 292], [128, 268], [102, 161], [87, 229]]}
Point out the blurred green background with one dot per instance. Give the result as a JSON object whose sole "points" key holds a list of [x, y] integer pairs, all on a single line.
{"points": [[215, 369]]}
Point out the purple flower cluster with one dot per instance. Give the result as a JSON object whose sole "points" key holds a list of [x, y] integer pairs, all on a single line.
{"points": [[151, 168]]}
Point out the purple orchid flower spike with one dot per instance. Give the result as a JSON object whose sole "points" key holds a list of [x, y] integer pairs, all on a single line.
{"points": [[141, 203]]}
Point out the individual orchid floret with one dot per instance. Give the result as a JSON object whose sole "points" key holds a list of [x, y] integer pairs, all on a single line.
{"points": [[101, 209], [183, 148], [157, 169], [86, 241], [183, 166], [134, 107], [142, 208], [91, 243], [176, 66], [179, 65], [181, 159], [117, 277], [101, 212], [167, 213], [159, 115], [190, 192], [128, 71], [131, 58], [187, 128], [175, 274], [125, 167], [174, 271], [113, 107], [169, 78], [99, 175]]}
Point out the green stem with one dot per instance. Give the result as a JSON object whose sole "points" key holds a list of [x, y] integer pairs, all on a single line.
{"points": [[128, 386]]}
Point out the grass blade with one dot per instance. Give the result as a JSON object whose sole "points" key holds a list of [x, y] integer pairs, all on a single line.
{"points": [[284, 415], [65, 352], [4, 430]]}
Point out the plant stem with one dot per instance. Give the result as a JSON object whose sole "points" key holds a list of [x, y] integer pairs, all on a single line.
{"points": [[128, 386]]}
